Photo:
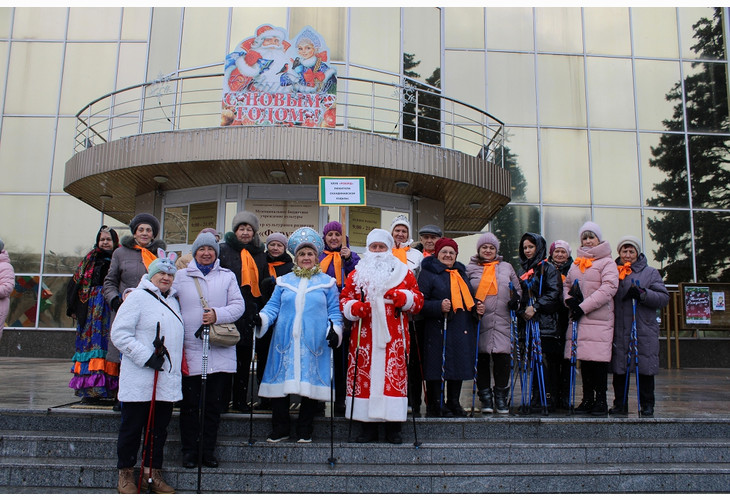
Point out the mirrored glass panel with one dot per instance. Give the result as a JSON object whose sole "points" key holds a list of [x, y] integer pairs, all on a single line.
{"points": [[655, 31], [521, 159], [164, 41], [53, 303], [421, 46], [132, 58], [561, 90], [65, 247], [457, 85], [94, 23], [710, 171], [711, 243], [135, 23], [668, 244], [83, 81], [330, 22], [702, 32], [201, 42], [511, 87], [381, 51], [565, 167], [29, 84], [245, 20], [610, 93], [705, 87], [563, 223], [559, 29], [48, 23], [509, 225], [657, 97], [5, 16], [607, 30], [24, 300], [664, 170], [615, 168], [617, 222], [510, 28], [3, 64], [464, 28], [23, 233], [27, 145], [63, 151]]}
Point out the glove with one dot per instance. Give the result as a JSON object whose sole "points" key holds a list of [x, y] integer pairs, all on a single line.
{"points": [[159, 344], [361, 309], [635, 292], [116, 302], [155, 362], [256, 320], [252, 57], [514, 303], [399, 298], [576, 313], [332, 338]]}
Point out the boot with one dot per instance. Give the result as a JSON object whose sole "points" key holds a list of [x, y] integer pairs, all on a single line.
{"points": [[126, 485], [600, 407], [392, 432], [501, 394], [369, 433], [585, 406], [485, 397], [455, 408], [158, 485]]}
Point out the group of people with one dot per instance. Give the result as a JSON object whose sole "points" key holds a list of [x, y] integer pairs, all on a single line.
{"points": [[382, 332]]}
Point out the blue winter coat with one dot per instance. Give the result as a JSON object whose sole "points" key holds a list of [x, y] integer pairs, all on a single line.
{"points": [[299, 357]]}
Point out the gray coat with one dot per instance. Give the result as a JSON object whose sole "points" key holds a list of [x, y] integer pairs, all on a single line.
{"points": [[647, 326], [127, 268]]}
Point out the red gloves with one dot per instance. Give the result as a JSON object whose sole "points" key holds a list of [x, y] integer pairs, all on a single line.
{"points": [[399, 298], [252, 57], [360, 309]]}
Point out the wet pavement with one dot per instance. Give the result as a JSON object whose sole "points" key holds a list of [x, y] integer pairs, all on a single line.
{"points": [[42, 383]]}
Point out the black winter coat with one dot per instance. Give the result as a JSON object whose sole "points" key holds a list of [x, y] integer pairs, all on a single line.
{"points": [[435, 284], [563, 311]]}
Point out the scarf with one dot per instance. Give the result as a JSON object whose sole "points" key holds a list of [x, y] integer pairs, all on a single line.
{"points": [[624, 270], [249, 273], [401, 253], [205, 269], [526, 276], [273, 266], [583, 263], [460, 295], [84, 274], [147, 256], [336, 258], [488, 282], [300, 272]]}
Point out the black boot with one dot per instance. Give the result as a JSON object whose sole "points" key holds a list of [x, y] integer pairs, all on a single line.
{"points": [[647, 410], [585, 406], [501, 394], [392, 432], [600, 407], [369, 433], [485, 397]]}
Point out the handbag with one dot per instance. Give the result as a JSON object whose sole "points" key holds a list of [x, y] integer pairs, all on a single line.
{"points": [[221, 334]]}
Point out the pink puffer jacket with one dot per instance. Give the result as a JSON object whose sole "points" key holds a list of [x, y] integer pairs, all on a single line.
{"points": [[7, 283]]}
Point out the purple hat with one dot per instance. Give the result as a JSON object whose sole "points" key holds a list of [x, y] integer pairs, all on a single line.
{"points": [[332, 226], [559, 244], [592, 227], [488, 238]]}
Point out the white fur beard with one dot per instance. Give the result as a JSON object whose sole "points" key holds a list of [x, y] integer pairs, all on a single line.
{"points": [[373, 273]]}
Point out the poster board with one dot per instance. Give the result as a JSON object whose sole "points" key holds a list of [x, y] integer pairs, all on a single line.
{"points": [[703, 306]]}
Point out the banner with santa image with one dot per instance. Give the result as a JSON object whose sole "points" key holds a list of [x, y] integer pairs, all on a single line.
{"points": [[270, 80]]}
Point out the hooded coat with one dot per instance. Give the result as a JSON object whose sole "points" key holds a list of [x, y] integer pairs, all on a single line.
{"points": [[647, 327], [598, 284], [543, 285], [7, 284], [461, 326], [494, 336]]}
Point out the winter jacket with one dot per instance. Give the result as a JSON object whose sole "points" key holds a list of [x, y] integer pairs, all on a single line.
{"points": [[598, 284], [7, 284], [348, 265], [543, 286], [127, 267], [299, 360], [563, 311], [223, 295], [269, 282], [494, 334], [435, 284], [133, 333], [414, 258], [647, 327]]}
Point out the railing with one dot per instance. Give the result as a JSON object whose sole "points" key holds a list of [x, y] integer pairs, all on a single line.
{"points": [[409, 111]]}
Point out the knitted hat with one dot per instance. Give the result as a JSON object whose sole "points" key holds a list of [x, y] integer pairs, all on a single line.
{"points": [[305, 237], [332, 226], [446, 242], [276, 237], [145, 219], [629, 240], [246, 218], [592, 227], [431, 229], [559, 244], [400, 220], [2, 245], [487, 238], [161, 265], [205, 240], [380, 236]]}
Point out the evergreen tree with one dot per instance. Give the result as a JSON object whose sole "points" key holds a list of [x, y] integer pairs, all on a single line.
{"points": [[428, 113]]}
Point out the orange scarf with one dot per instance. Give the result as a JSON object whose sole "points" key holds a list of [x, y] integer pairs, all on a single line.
{"points": [[331, 257], [624, 270], [147, 256], [249, 273], [488, 282], [460, 295], [526, 276], [401, 254], [273, 266], [583, 263]]}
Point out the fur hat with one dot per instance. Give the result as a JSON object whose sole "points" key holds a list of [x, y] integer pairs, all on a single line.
{"points": [[446, 242], [305, 237], [276, 237], [400, 220], [246, 218], [206, 240], [380, 236], [431, 229], [559, 244], [629, 240], [592, 227], [488, 238], [144, 218], [332, 226]]}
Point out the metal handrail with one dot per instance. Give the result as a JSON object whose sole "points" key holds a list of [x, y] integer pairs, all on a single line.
{"points": [[380, 109]]}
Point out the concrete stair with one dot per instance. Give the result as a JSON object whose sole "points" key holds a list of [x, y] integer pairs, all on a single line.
{"points": [[68, 450]]}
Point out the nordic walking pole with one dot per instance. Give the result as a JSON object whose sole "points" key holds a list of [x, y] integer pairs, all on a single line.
{"points": [[331, 460], [512, 353], [354, 377], [540, 370], [420, 362], [251, 440], [576, 293], [399, 313], [149, 437], [476, 362], [635, 333], [203, 383], [443, 365]]}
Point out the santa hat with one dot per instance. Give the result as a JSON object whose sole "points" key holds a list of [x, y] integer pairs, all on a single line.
{"points": [[380, 236], [267, 31]]}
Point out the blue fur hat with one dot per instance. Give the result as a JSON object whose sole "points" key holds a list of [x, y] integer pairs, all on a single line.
{"points": [[305, 237]]}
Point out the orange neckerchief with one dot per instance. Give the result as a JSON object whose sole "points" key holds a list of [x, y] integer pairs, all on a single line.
{"points": [[583, 263], [273, 266], [428, 254], [526, 276], [401, 253], [249, 273], [147, 256], [624, 270], [488, 282], [460, 295], [336, 258]]}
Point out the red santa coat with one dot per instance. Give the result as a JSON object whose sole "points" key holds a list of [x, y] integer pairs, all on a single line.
{"points": [[381, 393]]}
